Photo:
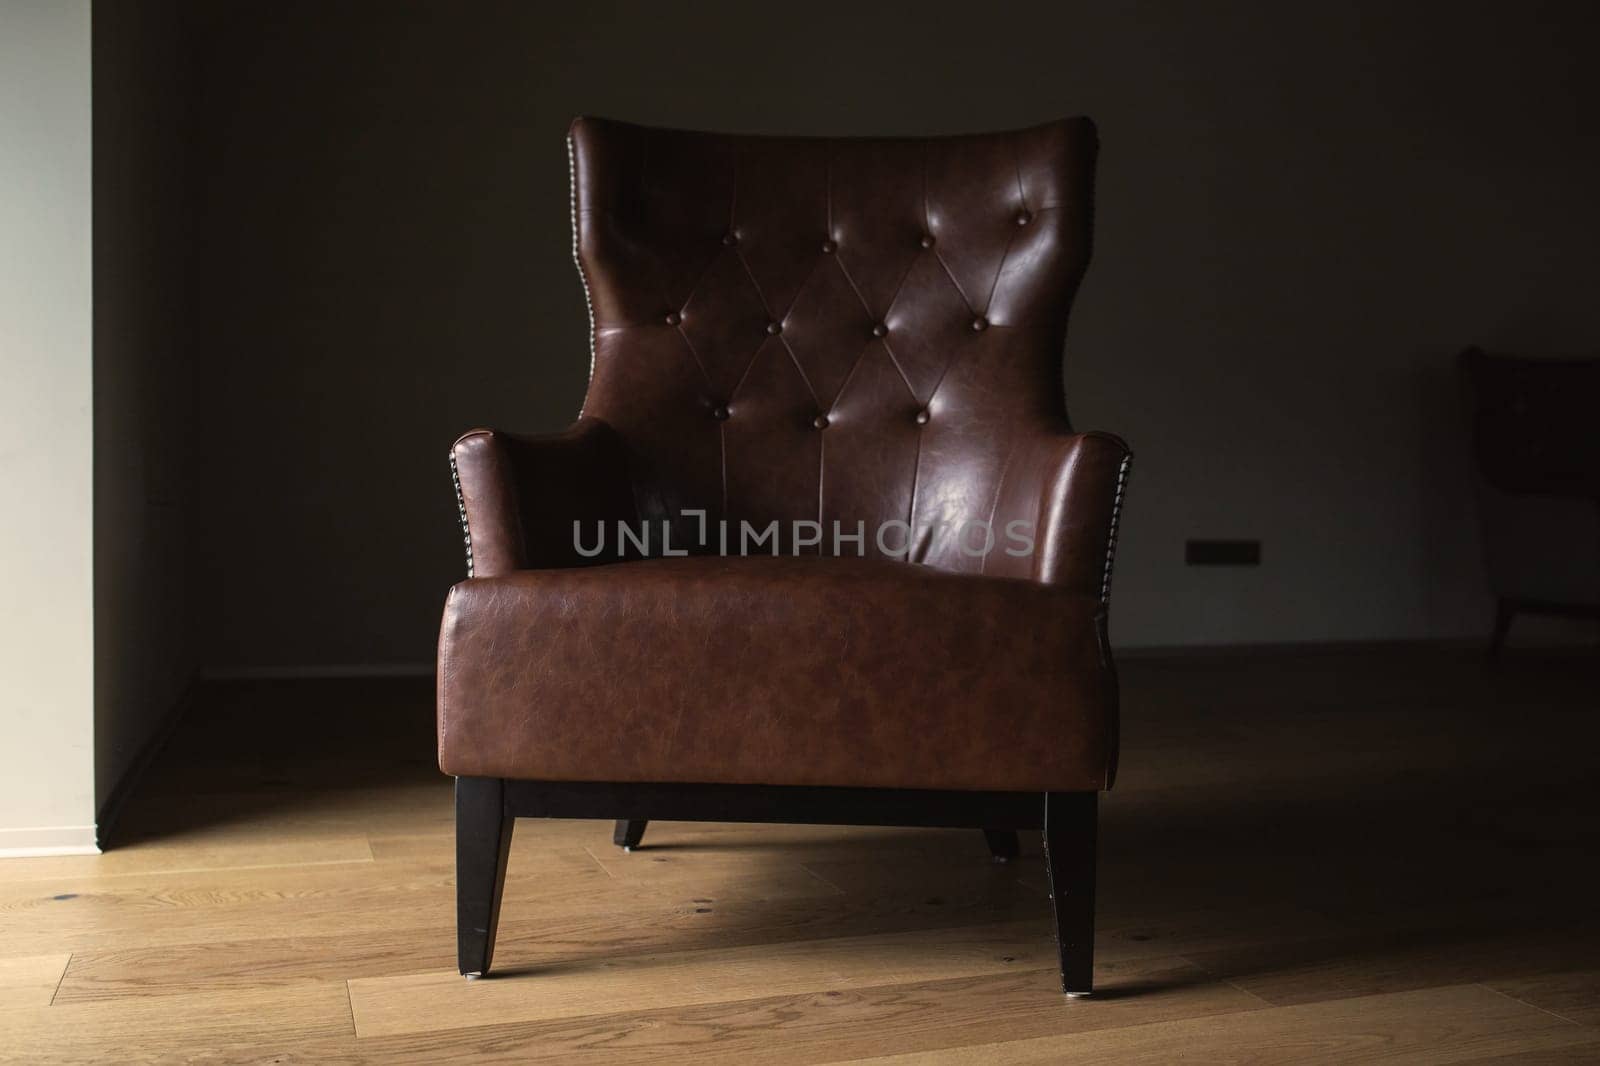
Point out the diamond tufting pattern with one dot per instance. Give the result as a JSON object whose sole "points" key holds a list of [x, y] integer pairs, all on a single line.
{"points": [[860, 330]]}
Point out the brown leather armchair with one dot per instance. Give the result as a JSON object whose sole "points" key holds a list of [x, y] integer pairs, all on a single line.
{"points": [[822, 545], [1538, 463]]}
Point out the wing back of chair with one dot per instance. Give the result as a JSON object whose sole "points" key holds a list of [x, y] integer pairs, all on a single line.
{"points": [[1538, 460], [830, 330]]}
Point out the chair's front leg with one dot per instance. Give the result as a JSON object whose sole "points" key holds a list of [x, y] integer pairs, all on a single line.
{"points": [[483, 844], [1069, 859]]}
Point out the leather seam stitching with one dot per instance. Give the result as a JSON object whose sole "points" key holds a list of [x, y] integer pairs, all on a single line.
{"points": [[827, 183], [771, 317], [1016, 163], [911, 505], [805, 378], [695, 354], [999, 272], [927, 217], [446, 668], [899, 286], [444, 672], [951, 275], [898, 369], [994, 504], [822, 464], [733, 192], [860, 356]]}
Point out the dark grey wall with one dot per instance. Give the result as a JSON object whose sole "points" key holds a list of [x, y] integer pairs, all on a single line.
{"points": [[1304, 211], [146, 513]]}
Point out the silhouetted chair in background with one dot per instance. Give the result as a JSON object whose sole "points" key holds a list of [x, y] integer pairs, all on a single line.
{"points": [[1537, 450], [788, 334]]}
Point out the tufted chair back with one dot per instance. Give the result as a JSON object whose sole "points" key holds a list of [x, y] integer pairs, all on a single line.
{"points": [[831, 330]]}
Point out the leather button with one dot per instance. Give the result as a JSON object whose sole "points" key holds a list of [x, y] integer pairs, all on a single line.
{"points": [[927, 240], [730, 239], [673, 318], [922, 417], [821, 421], [828, 247], [774, 328], [1023, 218], [979, 325], [720, 413], [880, 330]]}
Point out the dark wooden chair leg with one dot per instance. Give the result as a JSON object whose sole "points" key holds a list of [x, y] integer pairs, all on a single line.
{"points": [[627, 834], [1069, 859], [1504, 611], [483, 843], [1003, 845]]}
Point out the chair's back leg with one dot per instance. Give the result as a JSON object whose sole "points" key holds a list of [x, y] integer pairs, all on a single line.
{"points": [[1069, 860], [1003, 844], [1504, 612], [483, 843], [628, 834]]}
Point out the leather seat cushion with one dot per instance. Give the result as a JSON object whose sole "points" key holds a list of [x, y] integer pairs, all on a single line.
{"points": [[776, 671]]}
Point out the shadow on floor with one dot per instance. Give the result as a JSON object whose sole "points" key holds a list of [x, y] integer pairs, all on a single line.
{"points": [[1419, 806]]}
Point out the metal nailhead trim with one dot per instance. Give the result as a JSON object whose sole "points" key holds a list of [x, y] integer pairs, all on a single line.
{"points": [[461, 508], [572, 197], [1116, 514]]}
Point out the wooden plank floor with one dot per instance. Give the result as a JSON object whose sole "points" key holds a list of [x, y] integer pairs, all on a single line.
{"points": [[1337, 856]]}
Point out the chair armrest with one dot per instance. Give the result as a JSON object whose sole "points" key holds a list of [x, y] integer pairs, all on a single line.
{"points": [[520, 495], [1068, 488]]}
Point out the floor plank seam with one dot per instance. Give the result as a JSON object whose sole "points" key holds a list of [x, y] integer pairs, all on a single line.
{"points": [[824, 880], [754, 998], [819, 877], [1236, 986], [1535, 1006], [54, 992], [187, 870], [350, 1009], [596, 860]]}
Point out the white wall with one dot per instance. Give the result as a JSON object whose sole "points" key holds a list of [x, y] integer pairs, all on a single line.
{"points": [[46, 625]]}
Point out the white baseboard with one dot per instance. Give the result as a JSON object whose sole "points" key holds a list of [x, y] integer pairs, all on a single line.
{"points": [[48, 840], [321, 670]]}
